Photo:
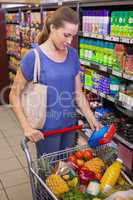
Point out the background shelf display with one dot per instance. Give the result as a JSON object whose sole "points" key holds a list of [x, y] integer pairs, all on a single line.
{"points": [[107, 37], [106, 69], [107, 54], [108, 97]]}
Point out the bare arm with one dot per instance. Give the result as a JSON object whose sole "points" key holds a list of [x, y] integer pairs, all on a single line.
{"points": [[17, 87], [84, 105]]}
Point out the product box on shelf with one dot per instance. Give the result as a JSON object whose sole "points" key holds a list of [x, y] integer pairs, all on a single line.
{"points": [[126, 98], [129, 64]]}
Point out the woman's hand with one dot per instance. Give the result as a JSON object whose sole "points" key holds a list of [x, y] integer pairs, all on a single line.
{"points": [[34, 135], [94, 125]]}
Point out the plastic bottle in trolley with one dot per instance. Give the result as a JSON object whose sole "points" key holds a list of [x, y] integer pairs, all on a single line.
{"points": [[111, 175]]}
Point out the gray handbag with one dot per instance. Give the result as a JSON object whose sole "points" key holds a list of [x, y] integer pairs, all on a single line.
{"points": [[34, 98]]}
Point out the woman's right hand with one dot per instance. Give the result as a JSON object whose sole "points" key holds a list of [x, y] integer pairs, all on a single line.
{"points": [[34, 135]]}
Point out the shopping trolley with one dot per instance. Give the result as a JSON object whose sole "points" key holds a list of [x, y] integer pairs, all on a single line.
{"points": [[40, 168]]}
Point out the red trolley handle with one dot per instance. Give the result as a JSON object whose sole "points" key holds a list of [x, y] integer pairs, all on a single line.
{"points": [[61, 131], [109, 135]]}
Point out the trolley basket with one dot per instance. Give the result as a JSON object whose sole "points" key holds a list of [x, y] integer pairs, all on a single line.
{"points": [[40, 168]]}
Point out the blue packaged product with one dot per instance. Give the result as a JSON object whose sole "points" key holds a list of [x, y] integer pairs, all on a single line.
{"points": [[96, 136]]}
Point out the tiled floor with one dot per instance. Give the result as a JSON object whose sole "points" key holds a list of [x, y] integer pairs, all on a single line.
{"points": [[14, 180]]}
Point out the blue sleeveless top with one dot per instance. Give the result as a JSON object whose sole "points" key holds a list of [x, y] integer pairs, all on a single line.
{"points": [[60, 79]]}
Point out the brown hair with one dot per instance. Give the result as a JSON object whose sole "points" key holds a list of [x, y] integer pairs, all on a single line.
{"points": [[59, 17]]}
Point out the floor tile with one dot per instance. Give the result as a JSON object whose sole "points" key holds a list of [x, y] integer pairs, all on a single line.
{"points": [[3, 142], [14, 140], [8, 111], [12, 132], [1, 188], [13, 116], [5, 150], [3, 195], [1, 134], [22, 160], [7, 122], [20, 192], [9, 165], [18, 151], [14, 178], [6, 153]]}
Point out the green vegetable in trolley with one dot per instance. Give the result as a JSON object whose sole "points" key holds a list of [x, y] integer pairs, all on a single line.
{"points": [[75, 194]]}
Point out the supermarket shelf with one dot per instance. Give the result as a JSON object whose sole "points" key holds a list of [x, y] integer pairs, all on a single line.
{"points": [[125, 109], [120, 107], [107, 37], [108, 97], [120, 139], [104, 68]]}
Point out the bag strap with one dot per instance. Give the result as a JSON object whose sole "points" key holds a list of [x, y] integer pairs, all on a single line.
{"points": [[37, 68]]}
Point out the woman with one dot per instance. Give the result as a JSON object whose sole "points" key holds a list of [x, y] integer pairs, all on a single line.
{"points": [[60, 71]]}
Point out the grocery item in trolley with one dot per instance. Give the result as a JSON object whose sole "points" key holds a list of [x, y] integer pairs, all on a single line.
{"points": [[102, 136]]}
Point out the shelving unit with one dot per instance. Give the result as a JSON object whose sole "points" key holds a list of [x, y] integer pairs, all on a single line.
{"points": [[104, 69], [27, 23], [4, 80]]}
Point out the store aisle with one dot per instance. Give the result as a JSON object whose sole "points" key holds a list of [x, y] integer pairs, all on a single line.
{"points": [[14, 181]]}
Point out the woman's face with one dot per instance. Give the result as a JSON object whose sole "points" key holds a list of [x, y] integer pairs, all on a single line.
{"points": [[62, 37]]}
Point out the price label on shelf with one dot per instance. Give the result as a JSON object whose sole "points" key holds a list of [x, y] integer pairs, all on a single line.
{"points": [[84, 62], [125, 40], [107, 37], [88, 63], [102, 95], [93, 90], [127, 76], [97, 36], [85, 34], [131, 41], [114, 38], [117, 73], [110, 98], [103, 68], [88, 88]]}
